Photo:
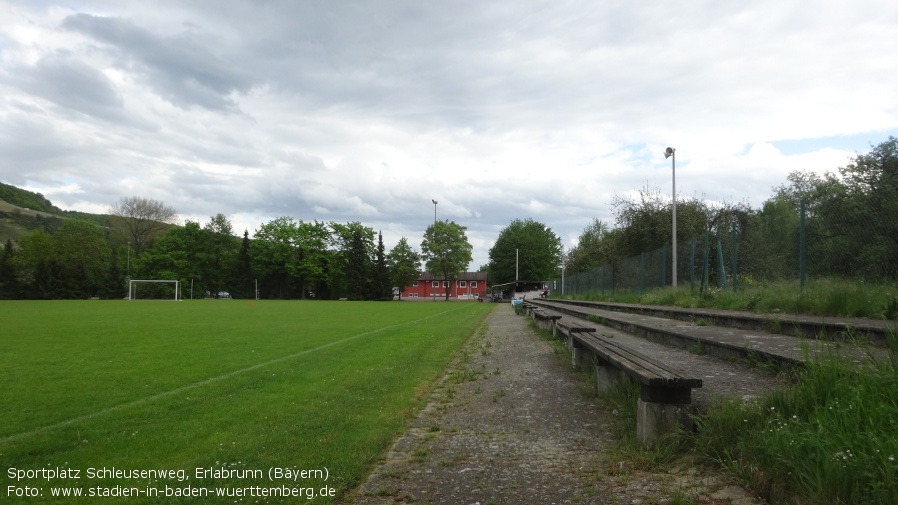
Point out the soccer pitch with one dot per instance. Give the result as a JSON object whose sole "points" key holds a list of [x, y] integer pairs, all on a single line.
{"points": [[212, 401]]}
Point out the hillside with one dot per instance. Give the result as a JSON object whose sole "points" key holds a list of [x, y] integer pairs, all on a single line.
{"points": [[22, 211], [27, 199]]}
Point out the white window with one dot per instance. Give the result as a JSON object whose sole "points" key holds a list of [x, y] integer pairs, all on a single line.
{"points": [[435, 284], [415, 283], [445, 284], [462, 284], [473, 284]]}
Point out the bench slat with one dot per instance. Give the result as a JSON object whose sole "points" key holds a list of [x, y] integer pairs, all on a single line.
{"points": [[574, 327], [637, 365]]}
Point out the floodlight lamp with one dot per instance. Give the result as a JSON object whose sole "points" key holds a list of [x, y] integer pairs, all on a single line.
{"points": [[434, 201], [669, 152]]}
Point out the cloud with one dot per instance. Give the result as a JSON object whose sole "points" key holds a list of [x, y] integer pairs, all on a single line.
{"points": [[184, 68], [502, 110], [72, 85]]}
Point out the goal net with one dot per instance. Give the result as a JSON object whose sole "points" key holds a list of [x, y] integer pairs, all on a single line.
{"points": [[151, 289]]}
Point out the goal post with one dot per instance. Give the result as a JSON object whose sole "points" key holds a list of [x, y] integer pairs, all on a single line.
{"points": [[154, 289]]}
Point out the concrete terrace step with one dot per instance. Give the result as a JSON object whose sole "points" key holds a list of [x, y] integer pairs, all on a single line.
{"points": [[726, 342], [833, 328]]}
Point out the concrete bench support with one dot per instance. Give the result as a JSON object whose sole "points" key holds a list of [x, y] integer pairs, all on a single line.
{"points": [[662, 410], [606, 375], [581, 357], [543, 320]]}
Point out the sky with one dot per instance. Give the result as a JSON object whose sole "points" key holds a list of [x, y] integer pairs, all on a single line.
{"points": [[371, 110]]}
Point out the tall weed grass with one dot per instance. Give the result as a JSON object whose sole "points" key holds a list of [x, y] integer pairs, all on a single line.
{"points": [[821, 297], [832, 438]]}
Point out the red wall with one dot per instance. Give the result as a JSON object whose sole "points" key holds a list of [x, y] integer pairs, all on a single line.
{"points": [[425, 291]]}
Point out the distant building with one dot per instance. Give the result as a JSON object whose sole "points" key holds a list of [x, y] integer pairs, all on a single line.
{"points": [[469, 286]]}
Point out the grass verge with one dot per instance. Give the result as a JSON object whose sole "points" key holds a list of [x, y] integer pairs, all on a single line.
{"points": [[821, 297], [831, 438]]}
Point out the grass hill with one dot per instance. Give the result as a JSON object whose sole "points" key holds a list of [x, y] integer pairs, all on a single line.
{"points": [[27, 199], [22, 211]]}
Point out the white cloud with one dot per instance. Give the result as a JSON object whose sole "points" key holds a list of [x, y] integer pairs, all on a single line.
{"points": [[367, 111]]}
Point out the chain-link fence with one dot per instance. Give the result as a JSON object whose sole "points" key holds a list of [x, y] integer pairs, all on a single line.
{"points": [[774, 244]]}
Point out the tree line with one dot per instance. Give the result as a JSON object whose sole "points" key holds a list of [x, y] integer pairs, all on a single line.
{"points": [[286, 258], [851, 229], [851, 224]]}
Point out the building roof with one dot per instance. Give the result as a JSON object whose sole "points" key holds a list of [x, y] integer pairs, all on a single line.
{"points": [[466, 276]]}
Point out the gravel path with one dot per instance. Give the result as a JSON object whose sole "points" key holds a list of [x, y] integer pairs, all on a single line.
{"points": [[511, 423]]}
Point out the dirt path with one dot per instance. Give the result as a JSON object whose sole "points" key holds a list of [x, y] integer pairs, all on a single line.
{"points": [[513, 424]]}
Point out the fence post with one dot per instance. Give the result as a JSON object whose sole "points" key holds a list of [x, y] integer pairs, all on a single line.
{"points": [[705, 266], [735, 253], [692, 265], [663, 265], [721, 272], [642, 273], [612, 278], [802, 247]]}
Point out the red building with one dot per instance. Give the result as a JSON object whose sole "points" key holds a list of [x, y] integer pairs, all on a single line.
{"points": [[469, 286]]}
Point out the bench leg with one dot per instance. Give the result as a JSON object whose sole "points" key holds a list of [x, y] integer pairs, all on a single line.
{"points": [[606, 376], [656, 419], [581, 358], [662, 411]]}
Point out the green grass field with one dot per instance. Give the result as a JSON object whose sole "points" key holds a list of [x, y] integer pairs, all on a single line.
{"points": [[134, 397]]}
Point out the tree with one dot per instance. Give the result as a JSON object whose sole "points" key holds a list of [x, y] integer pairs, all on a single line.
{"points": [[221, 254], [291, 255], [646, 224], [273, 253], [114, 286], [446, 250], [404, 265], [594, 249], [355, 250], [525, 250], [867, 209], [243, 270], [9, 288], [182, 254], [850, 226], [35, 252], [772, 239], [83, 254], [313, 255], [141, 220], [358, 265], [381, 288]]}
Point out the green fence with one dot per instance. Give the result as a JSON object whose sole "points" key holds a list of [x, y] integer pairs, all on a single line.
{"points": [[771, 246]]}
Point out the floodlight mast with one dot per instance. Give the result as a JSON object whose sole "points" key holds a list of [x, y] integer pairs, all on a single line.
{"points": [[670, 152]]}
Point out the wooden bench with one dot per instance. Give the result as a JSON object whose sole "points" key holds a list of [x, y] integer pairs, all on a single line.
{"points": [[565, 329], [664, 392], [544, 320]]}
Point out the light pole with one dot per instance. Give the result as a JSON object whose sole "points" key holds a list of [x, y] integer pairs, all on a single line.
{"points": [[670, 152], [434, 293]]}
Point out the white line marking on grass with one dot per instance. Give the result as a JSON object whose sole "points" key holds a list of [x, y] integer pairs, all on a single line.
{"points": [[166, 394]]}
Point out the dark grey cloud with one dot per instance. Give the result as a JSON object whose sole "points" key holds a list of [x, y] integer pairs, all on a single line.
{"points": [[68, 82], [185, 69]]}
